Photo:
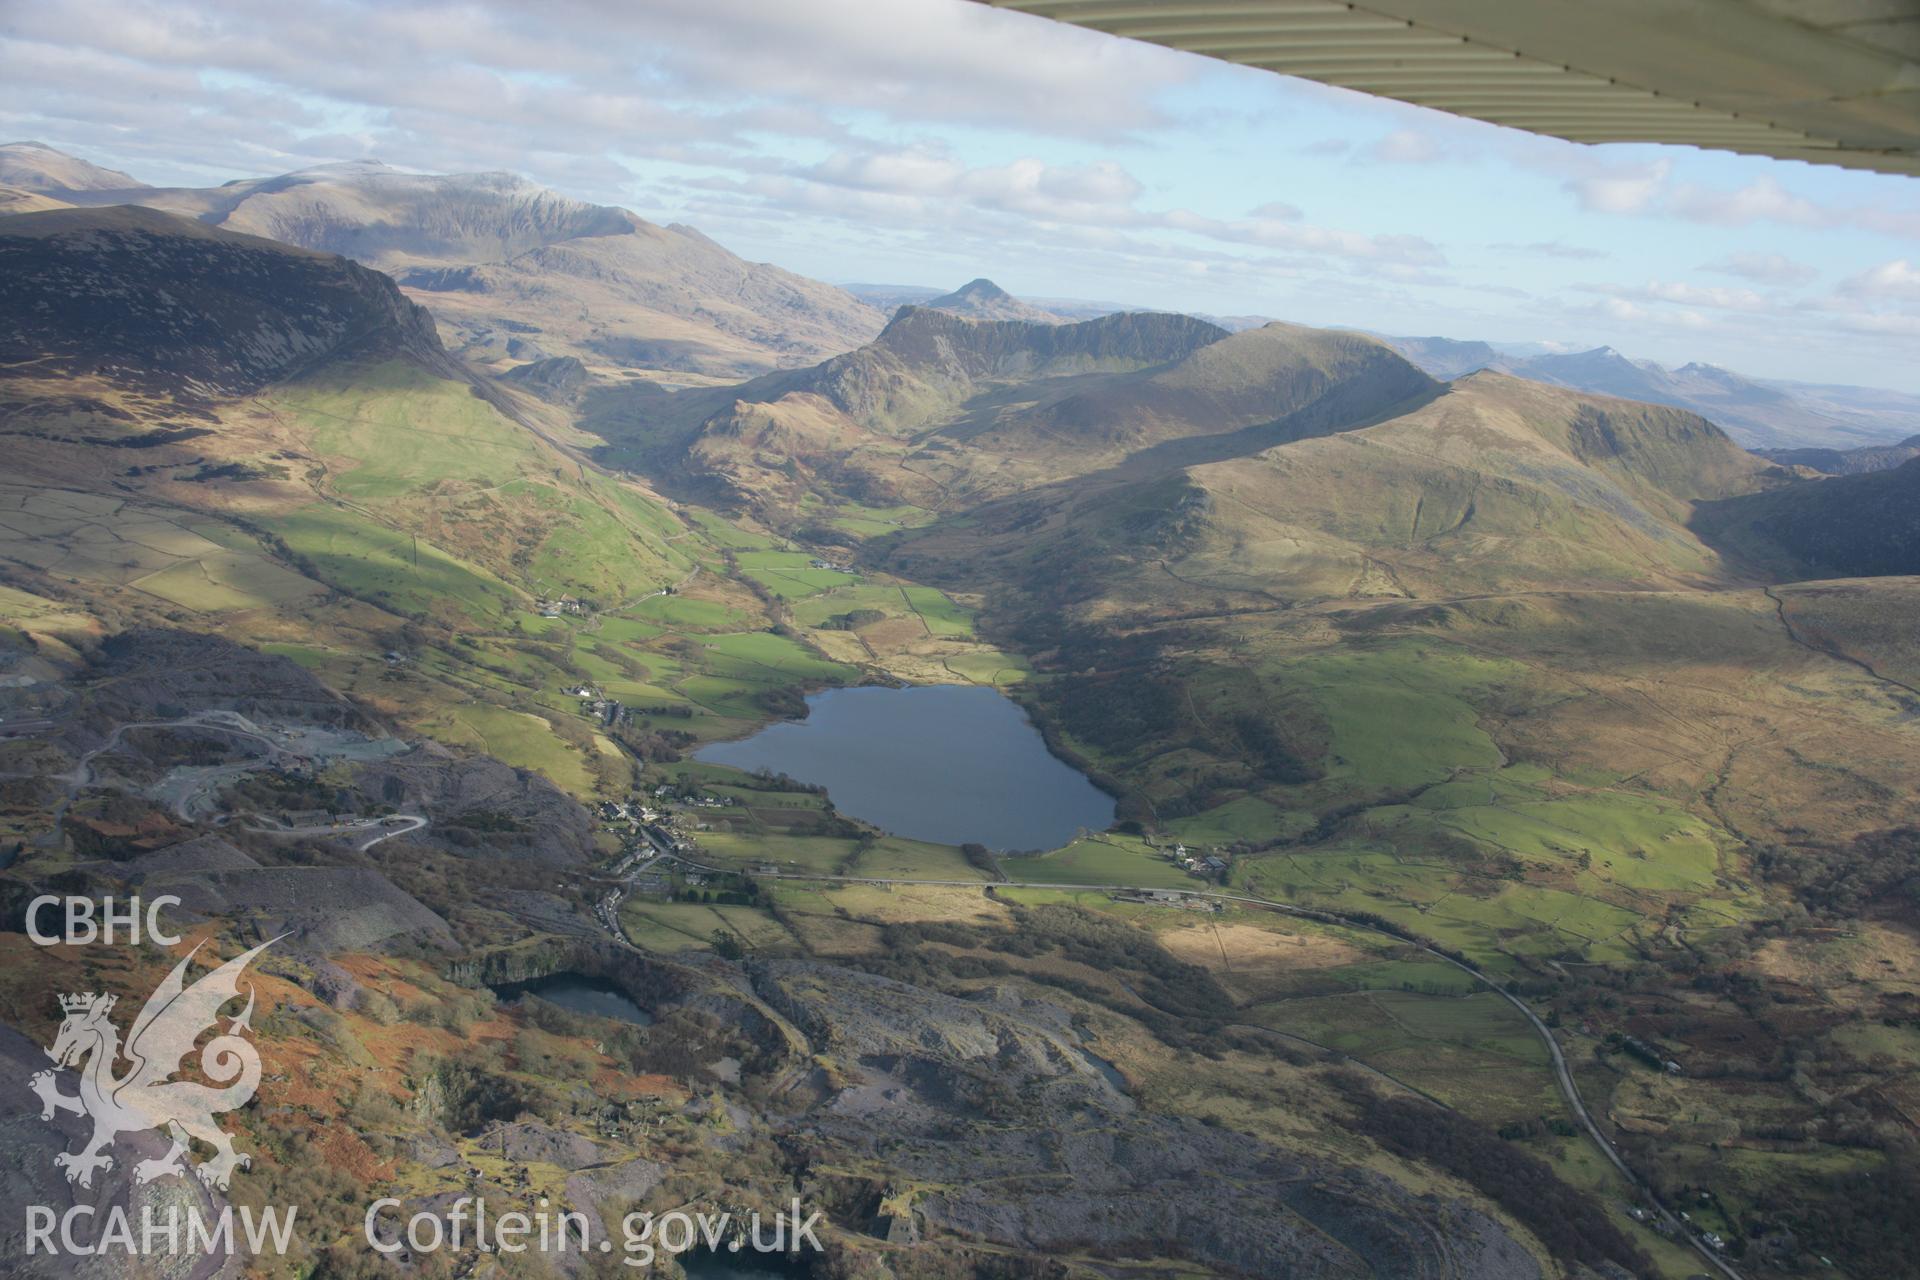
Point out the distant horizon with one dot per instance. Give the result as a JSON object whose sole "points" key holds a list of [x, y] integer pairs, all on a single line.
{"points": [[204, 170], [871, 140], [1557, 346], [915, 139]]}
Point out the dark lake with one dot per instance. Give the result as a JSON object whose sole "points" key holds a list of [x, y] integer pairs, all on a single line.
{"points": [[946, 763], [745, 1265], [579, 993]]}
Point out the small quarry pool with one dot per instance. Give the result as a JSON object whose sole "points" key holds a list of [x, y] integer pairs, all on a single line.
{"points": [[953, 764], [580, 994]]}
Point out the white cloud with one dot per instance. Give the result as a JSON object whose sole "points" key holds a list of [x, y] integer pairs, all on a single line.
{"points": [[1651, 189], [1762, 200], [1556, 249], [1763, 268], [1410, 146], [1690, 295], [929, 185], [1622, 189], [905, 61], [1898, 280], [1623, 311]]}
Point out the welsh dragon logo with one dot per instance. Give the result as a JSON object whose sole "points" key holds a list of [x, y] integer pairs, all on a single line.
{"points": [[145, 1097]]}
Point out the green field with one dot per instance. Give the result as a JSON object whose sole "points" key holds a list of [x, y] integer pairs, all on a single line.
{"points": [[685, 612], [400, 431], [390, 568], [518, 738], [1102, 859], [941, 615]]}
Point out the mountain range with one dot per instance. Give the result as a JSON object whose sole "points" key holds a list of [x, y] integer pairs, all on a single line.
{"points": [[35, 166], [892, 296], [511, 271], [1762, 414], [1065, 438], [514, 272], [1759, 414]]}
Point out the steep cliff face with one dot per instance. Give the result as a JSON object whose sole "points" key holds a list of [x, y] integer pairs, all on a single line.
{"points": [[926, 360], [153, 301], [1315, 378], [1019, 348]]}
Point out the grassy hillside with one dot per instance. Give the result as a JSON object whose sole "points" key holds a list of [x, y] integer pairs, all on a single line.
{"points": [[1495, 484], [424, 455]]}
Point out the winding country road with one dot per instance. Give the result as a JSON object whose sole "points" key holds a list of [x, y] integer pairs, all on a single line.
{"points": [[1563, 1073]]}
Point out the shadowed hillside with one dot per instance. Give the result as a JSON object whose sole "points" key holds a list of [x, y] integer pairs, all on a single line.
{"points": [[1848, 462], [1844, 526], [154, 299]]}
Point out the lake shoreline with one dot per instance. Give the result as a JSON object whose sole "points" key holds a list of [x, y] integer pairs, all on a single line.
{"points": [[947, 764]]}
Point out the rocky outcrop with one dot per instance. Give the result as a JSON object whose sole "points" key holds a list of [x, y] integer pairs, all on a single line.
{"points": [[532, 1142], [154, 673], [557, 379], [481, 807], [984, 300], [29, 1176], [1154, 1185], [324, 910], [162, 304], [926, 361], [865, 1017], [1058, 1161]]}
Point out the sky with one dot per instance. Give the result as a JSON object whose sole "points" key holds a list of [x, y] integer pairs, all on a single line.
{"points": [[927, 142]]}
